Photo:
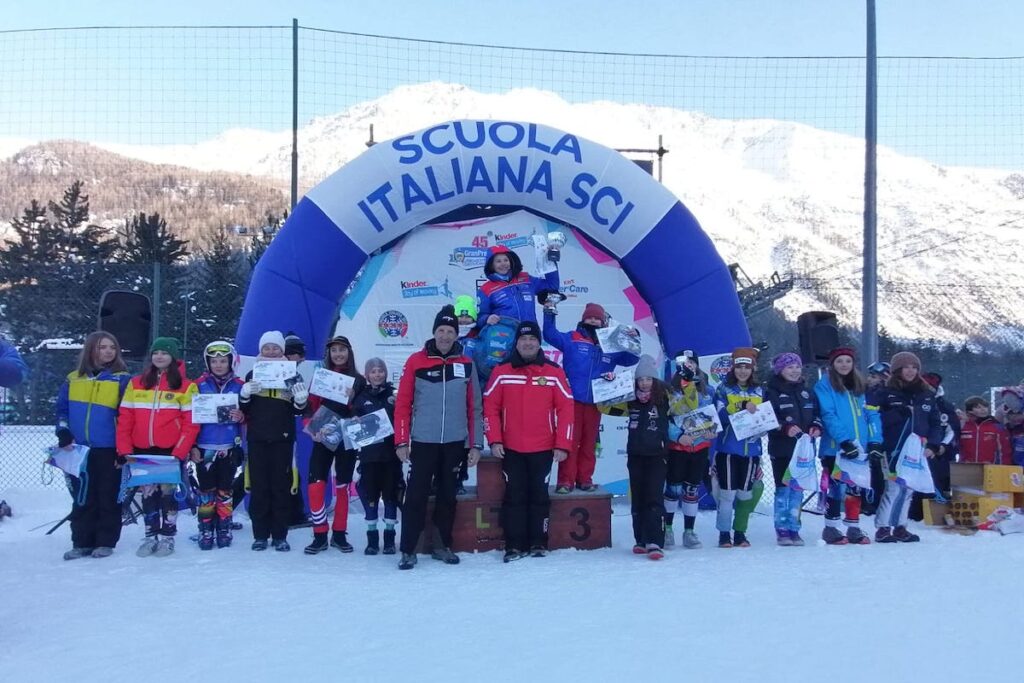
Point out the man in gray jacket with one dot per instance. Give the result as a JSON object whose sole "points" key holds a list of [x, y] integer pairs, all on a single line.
{"points": [[437, 416]]}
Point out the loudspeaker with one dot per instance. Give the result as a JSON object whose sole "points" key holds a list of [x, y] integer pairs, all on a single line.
{"points": [[819, 334], [127, 316]]}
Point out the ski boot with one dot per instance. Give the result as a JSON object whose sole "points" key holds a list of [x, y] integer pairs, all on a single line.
{"points": [[372, 542], [691, 540], [77, 553], [857, 537], [206, 534], [389, 542], [339, 540], [833, 536], [148, 546], [318, 545], [165, 547], [224, 535]]}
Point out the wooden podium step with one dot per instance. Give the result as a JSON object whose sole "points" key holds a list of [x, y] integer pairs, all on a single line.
{"points": [[578, 520]]}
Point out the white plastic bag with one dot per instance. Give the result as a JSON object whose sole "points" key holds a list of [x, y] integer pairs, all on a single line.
{"points": [[855, 471], [802, 473], [912, 470]]}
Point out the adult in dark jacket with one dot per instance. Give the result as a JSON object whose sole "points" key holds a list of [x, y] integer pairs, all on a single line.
{"points": [[380, 470], [437, 416], [908, 411], [338, 357], [529, 423], [796, 408]]}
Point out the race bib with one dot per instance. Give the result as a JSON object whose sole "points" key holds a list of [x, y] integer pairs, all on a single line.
{"points": [[459, 370]]}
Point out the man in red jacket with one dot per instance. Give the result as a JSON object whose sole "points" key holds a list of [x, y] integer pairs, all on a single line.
{"points": [[528, 420]]}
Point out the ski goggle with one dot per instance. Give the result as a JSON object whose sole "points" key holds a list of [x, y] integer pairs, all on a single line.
{"points": [[218, 350], [880, 368]]}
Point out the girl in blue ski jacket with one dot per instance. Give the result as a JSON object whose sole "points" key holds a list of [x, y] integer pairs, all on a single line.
{"points": [[851, 426], [737, 461], [87, 411], [509, 291], [218, 448]]}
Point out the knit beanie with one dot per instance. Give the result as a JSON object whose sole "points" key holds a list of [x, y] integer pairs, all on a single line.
{"points": [[784, 360], [528, 327], [446, 316], [902, 360], [272, 337], [594, 311], [646, 367], [744, 355], [466, 305], [375, 363], [167, 344], [840, 351], [293, 344]]}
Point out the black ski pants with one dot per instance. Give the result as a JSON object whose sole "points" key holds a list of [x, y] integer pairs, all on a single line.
{"points": [[527, 505], [427, 462]]}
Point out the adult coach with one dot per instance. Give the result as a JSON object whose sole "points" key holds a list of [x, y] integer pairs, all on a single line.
{"points": [[529, 422], [437, 416]]}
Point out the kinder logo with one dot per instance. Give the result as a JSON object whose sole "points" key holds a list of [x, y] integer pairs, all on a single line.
{"points": [[392, 325], [468, 258], [512, 239], [415, 289], [720, 367]]}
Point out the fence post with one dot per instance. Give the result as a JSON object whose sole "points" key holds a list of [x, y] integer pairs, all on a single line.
{"points": [[869, 315], [295, 112], [157, 286]]}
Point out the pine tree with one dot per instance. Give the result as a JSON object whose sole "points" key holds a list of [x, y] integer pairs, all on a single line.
{"points": [[147, 239], [222, 275]]}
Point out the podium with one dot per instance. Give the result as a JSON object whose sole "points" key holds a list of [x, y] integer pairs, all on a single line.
{"points": [[577, 520]]}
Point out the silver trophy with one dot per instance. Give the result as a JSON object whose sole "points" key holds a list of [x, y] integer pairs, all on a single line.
{"points": [[556, 240]]}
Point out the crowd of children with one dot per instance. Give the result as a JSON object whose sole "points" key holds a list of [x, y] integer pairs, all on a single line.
{"points": [[860, 429]]}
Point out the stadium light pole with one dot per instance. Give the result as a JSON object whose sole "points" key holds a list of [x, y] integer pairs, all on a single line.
{"points": [[869, 320]]}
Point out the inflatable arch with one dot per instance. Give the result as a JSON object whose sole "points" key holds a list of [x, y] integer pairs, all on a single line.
{"points": [[401, 184]]}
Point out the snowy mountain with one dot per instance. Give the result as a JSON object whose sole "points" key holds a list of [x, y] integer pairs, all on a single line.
{"points": [[773, 195]]}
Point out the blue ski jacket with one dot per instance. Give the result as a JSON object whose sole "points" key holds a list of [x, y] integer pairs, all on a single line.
{"points": [[218, 437], [582, 357], [846, 417]]}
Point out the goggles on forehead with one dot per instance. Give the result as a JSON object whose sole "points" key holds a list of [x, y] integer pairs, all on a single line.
{"points": [[218, 350], [879, 368]]}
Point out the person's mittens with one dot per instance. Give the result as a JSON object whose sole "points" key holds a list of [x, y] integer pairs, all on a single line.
{"points": [[64, 437], [848, 449]]}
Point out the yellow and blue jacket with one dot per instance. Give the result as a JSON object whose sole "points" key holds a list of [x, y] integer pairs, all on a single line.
{"points": [[730, 400], [88, 406]]}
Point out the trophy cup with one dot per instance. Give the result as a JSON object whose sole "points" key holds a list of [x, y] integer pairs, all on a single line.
{"points": [[556, 240]]}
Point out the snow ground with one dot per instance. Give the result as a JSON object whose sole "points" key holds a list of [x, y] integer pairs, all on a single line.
{"points": [[947, 607]]}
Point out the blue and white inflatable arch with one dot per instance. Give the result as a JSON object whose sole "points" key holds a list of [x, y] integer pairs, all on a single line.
{"points": [[398, 185]]}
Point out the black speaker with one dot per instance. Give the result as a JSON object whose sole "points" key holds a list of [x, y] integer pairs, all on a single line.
{"points": [[819, 334], [127, 316]]}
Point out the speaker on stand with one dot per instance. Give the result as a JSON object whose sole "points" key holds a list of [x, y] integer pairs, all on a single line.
{"points": [[127, 316]]}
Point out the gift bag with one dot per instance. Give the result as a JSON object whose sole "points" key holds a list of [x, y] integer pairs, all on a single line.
{"points": [[802, 473], [854, 471], [912, 469]]}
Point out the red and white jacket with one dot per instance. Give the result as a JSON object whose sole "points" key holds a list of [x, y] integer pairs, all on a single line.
{"points": [[528, 407], [160, 417], [985, 441]]}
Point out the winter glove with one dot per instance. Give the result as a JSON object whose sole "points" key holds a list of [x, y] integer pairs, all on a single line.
{"points": [[686, 373], [248, 389], [848, 449], [299, 394], [875, 452], [64, 437], [121, 460]]}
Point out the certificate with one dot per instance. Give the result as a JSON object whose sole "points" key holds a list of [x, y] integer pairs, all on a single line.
{"points": [[271, 374], [748, 426], [213, 409], [367, 429], [617, 390], [331, 385]]}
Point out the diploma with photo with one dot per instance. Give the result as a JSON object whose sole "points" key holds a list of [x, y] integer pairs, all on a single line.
{"points": [[213, 408], [331, 385], [273, 374]]}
